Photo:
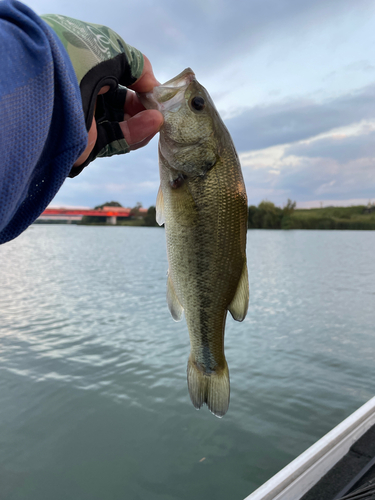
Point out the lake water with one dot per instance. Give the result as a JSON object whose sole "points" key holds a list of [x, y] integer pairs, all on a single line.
{"points": [[93, 395]]}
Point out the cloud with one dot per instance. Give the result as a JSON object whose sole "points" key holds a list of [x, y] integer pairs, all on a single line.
{"points": [[336, 165], [288, 122], [341, 146], [203, 34], [311, 179]]}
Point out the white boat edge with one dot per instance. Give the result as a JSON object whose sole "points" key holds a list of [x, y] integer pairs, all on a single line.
{"points": [[298, 477]]}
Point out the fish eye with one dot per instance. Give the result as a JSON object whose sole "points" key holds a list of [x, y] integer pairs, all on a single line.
{"points": [[198, 103]]}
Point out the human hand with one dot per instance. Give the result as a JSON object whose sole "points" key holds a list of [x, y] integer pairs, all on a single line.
{"points": [[106, 67], [139, 125]]}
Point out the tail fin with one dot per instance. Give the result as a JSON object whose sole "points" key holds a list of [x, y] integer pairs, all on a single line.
{"points": [[210, 388]]}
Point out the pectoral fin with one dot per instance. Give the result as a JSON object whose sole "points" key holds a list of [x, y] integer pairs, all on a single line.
{"points": [[160, 219], [238, 306], [174, 304]]}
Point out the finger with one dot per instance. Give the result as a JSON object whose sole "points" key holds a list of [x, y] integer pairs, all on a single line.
{"points": [[141, 127], [147, 81], [139, 145], [133, 105]]}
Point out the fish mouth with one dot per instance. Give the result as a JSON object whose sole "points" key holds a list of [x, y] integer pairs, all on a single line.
{"points": [[168, 97], [181, 80]]}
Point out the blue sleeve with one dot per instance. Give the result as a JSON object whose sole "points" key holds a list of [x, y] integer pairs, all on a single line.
{"points": [[42, 126]]}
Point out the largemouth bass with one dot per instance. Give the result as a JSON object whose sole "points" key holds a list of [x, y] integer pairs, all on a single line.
{"points": [[202, 203]]}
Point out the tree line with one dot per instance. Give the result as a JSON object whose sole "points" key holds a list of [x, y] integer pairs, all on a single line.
{"points": [[267, 216]]}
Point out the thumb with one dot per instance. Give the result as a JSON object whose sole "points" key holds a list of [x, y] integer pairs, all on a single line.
{"points": [[141, 128]]}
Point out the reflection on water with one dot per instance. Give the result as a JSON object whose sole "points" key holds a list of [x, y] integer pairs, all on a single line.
{"points": [[93, 395]]}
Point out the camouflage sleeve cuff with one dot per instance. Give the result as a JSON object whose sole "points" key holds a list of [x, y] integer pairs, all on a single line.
{"points": [[99, 57], [90, 44]]}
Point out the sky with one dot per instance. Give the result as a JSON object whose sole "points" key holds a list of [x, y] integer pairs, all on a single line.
{"points": [[293, 80]]}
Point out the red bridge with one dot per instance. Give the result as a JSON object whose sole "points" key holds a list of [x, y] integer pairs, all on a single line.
{"points": [[75, 213]]}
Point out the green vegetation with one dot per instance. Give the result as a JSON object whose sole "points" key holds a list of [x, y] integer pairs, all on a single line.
{"points": [[140, 219], [108, 204], [150, 219], [268, 216]]}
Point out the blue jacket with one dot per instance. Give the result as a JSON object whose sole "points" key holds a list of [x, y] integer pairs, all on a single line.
{"points": [[42, 125]]}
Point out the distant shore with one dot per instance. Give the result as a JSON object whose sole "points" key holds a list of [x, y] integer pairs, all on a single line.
{"points": [[264, 216], [268, 216]]}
